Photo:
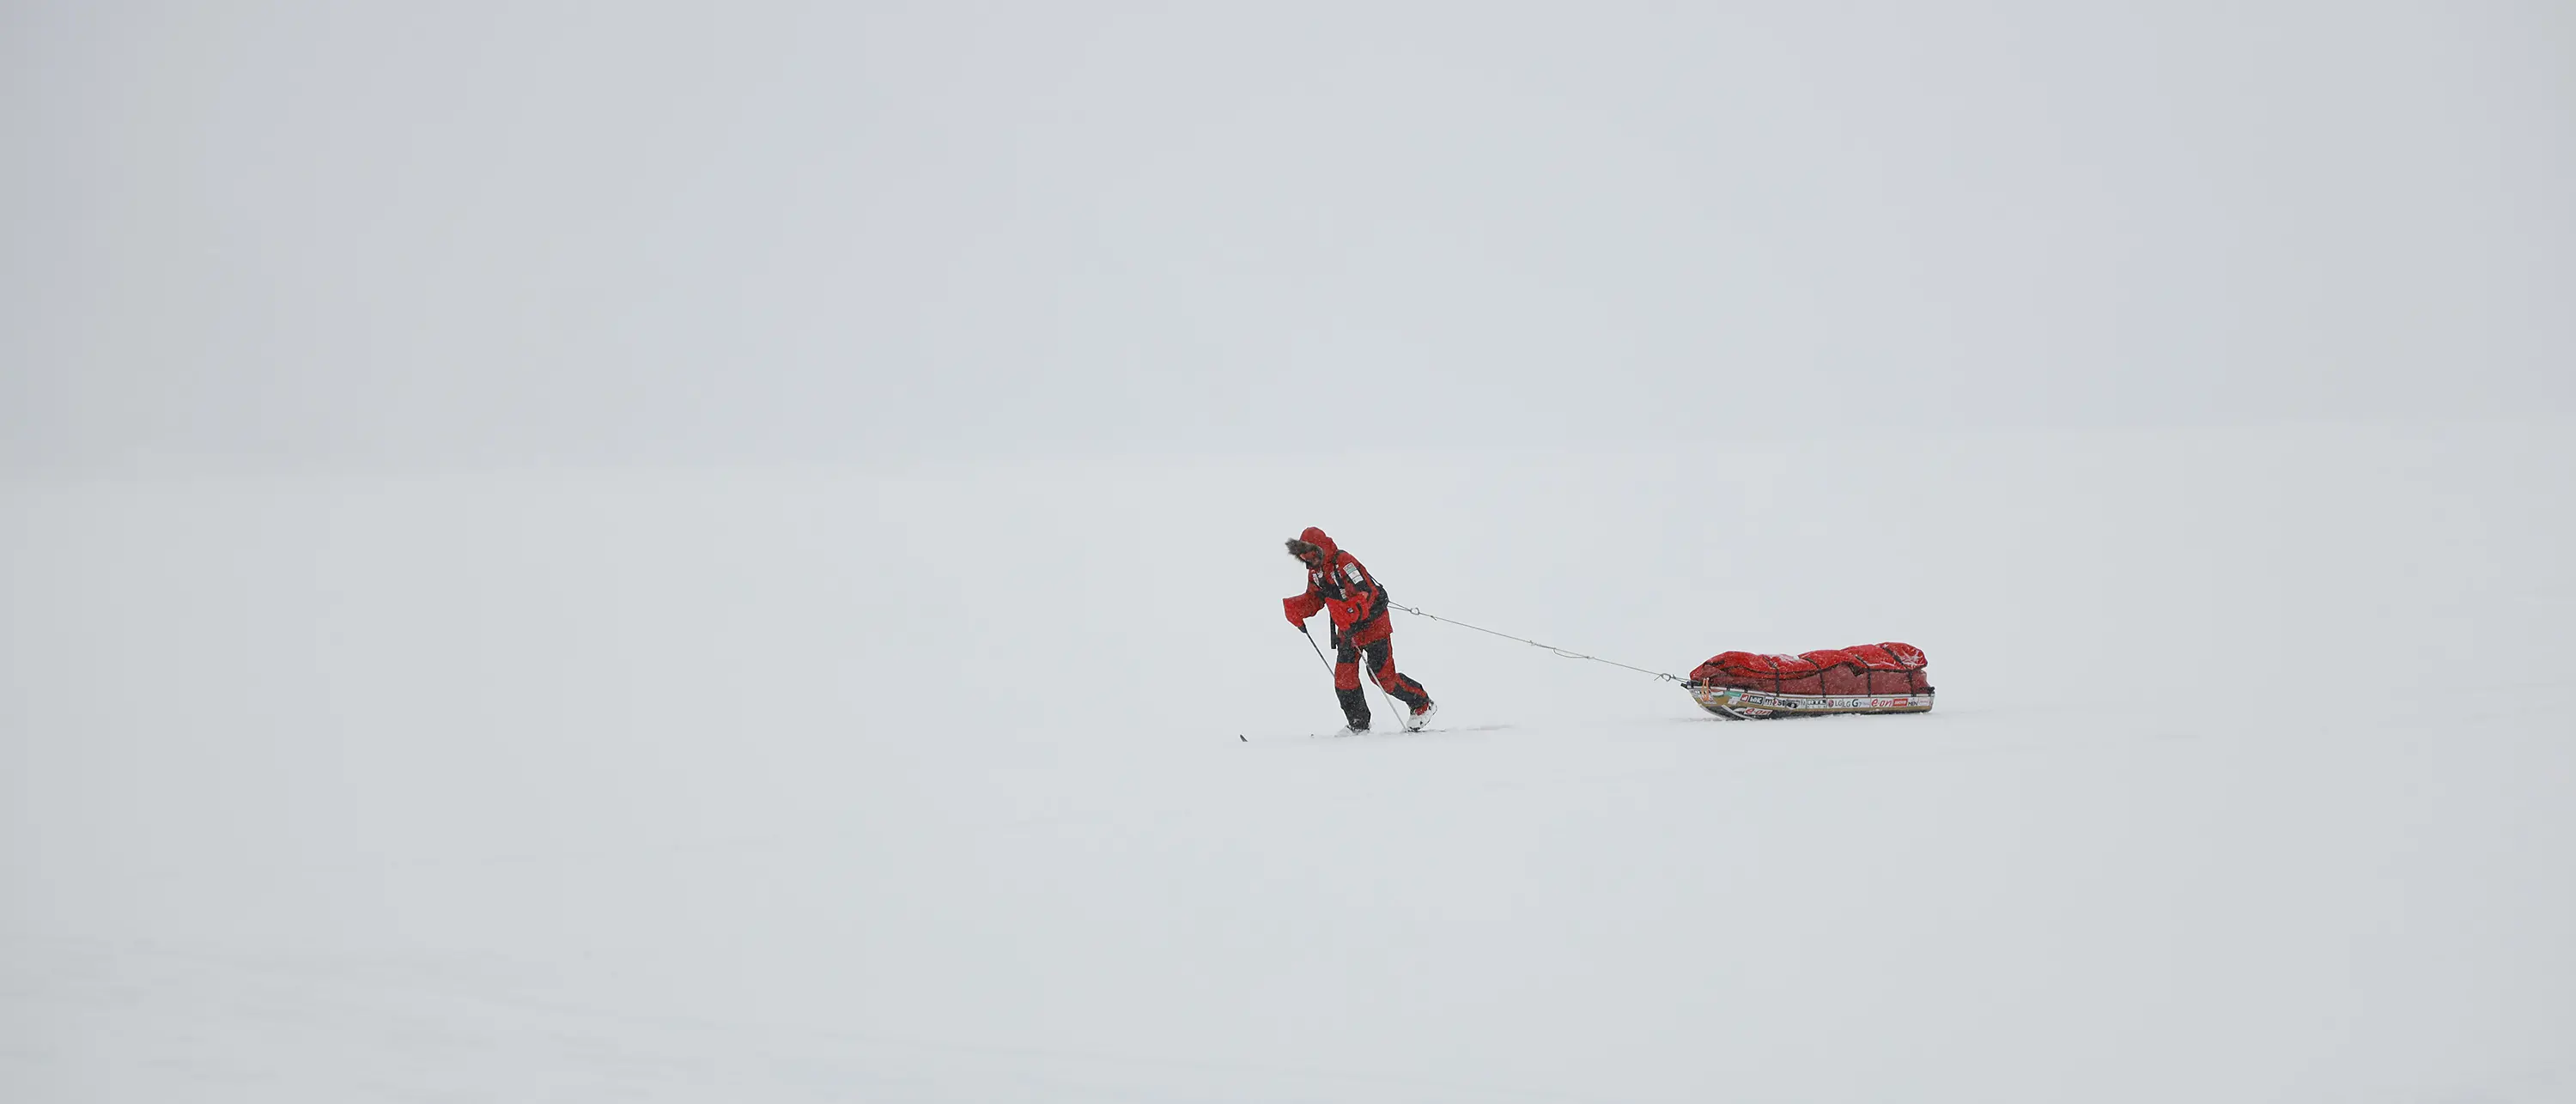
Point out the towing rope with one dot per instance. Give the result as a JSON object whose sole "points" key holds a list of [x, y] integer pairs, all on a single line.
{"points": [[1566, 653]]}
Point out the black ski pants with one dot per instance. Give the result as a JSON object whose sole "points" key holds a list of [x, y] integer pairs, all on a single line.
{"points": [[1380, 654]]}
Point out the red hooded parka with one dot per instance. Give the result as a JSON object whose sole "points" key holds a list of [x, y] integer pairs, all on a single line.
{"points": [[1341, 585]]}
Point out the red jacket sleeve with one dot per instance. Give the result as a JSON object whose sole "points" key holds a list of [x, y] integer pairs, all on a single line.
{"points": [[1302, 606]]}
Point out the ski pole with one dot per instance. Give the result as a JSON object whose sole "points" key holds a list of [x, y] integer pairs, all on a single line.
{"points": [[1391, 710], [1309, 634], [1382, 695]]}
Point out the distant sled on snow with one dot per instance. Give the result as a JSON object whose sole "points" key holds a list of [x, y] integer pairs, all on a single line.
{"points": [[1864, 678]]}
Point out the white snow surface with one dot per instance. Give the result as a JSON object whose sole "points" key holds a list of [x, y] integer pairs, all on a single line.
{"points": [[2251, 780]]}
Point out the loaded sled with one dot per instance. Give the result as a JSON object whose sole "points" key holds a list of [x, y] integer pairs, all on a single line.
{"points": [[1864, 678]]}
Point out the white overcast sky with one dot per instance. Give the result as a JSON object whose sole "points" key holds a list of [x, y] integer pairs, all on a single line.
{"points": [[354, 234]]}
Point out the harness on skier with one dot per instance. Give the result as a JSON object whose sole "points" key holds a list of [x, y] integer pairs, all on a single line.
{"points": [[1348, 584]]}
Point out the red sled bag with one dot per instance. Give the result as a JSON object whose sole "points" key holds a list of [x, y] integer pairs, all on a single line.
{"points": [[1887, 677]]}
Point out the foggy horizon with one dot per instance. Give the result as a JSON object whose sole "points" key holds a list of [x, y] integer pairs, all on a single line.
{"points": [[300, 236]]}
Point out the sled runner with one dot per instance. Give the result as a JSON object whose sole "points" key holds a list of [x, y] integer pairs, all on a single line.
{"points": [[1864, 678]]}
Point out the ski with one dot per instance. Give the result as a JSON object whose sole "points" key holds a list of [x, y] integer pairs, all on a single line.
{"points": [[1374, 733]]}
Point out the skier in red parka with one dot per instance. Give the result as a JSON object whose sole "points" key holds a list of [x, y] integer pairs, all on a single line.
{"points": [[1335, 581]]}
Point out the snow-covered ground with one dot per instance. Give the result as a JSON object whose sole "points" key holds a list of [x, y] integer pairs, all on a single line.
{"points": [[2251, 780]]}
